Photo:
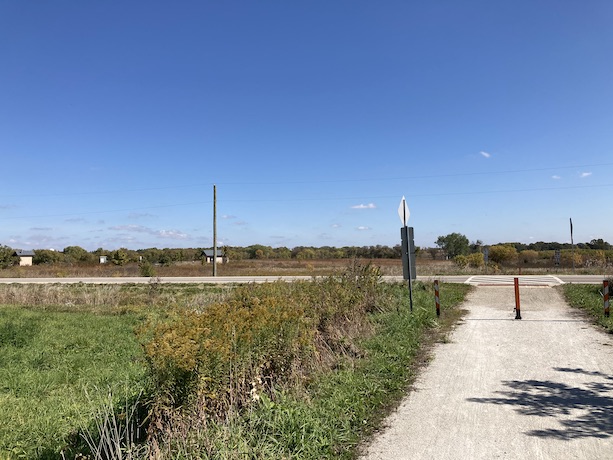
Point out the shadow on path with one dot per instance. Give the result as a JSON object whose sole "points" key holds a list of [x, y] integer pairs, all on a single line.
{"points": [[590, 406]]}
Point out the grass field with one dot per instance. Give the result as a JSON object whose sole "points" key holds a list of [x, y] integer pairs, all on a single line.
{"points": [[54, 365]]}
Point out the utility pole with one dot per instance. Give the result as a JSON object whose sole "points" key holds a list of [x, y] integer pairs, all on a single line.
{"points": [[214, 230]]}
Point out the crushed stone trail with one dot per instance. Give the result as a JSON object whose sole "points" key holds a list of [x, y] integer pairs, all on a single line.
{"points": [[538, 388]]}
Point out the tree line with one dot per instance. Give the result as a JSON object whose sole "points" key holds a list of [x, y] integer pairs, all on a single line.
{"points": [[449, 246], [457, 247], [72, 255]]}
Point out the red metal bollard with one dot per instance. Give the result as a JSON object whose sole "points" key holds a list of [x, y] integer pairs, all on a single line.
{"points": [[517, 307]]}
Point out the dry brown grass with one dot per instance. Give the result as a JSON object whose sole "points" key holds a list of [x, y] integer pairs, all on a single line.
{"points": [[183, 269], [265, 267]]}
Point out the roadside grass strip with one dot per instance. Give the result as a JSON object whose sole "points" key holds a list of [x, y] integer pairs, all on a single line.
{"points": [[589, 298]]}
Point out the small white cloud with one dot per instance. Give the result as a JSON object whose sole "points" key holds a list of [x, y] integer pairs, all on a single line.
{"points": [[556, 177], [132, 228], [335, 225], [364, 206], [585, 174], [485, 154], [227, 216], [362, 228], [172, 234]]}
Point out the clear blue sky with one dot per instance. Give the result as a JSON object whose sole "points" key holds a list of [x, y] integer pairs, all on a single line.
{"points": [[313, 118]]}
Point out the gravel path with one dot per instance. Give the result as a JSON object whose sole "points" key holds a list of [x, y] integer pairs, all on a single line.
{"points": [[537, 388]]}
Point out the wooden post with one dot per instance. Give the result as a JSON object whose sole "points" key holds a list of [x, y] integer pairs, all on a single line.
{"points": [[436, 298], [605, 292], [517, 307]]}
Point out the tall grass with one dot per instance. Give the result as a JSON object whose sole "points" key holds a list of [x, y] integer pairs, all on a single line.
{"points": [[281, 370], [307, 385], [589, 298], [110, 297]]}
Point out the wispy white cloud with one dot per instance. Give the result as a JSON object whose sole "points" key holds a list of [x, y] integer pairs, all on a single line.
{"points": [[364, 206], [139, 215], [555, 177], [131, 228], [173, 234], [362, 228], [166, 234], [227, 216], [335, 225], [485, 154], [585, 174]]}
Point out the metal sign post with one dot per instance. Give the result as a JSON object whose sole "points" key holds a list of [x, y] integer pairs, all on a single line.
{"points": [[486, 256], [408, 248]]}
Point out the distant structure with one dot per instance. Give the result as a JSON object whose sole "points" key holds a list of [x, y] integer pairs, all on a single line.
{"points": [[103, 259], [25, 257], [207, 254]]}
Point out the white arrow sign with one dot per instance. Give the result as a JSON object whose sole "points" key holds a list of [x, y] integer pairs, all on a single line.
{"points": [[403, 212]]}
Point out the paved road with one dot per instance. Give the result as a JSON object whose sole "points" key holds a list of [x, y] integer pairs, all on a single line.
{"points": [[542, 280], [536, 388]]}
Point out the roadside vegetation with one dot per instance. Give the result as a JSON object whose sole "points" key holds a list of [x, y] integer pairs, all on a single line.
{"points": [[589, 298], [288, 370]]}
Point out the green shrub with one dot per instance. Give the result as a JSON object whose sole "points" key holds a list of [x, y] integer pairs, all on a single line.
{"points": [[218, 359], [146, 269]]}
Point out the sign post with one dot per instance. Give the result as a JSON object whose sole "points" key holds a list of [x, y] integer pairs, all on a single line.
{"points": [[408, 248], [486, 256]]}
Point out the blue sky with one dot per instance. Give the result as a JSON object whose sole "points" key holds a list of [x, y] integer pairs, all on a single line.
{"points": [[313, 119]]}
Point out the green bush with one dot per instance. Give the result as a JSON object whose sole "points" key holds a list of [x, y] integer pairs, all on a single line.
{"points": [[146, 268]]}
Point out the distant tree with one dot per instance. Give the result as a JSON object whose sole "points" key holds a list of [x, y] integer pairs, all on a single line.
{"points": [[502, 253], [599, 244], [120, 256], [282, 253], [528, 256], [47, 256], [476, 246], [258, 251], [454, 244], [7, 259], [76, 254], [306, 253]]}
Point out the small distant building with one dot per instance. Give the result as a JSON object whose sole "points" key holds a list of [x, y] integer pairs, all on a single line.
{"points": [[103, 259], [207, 254], [25, 257]]}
